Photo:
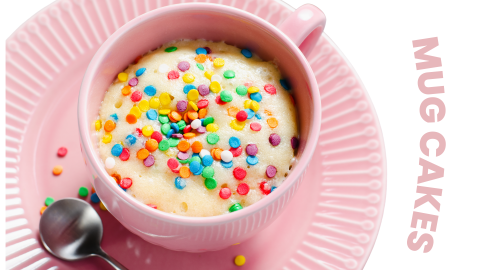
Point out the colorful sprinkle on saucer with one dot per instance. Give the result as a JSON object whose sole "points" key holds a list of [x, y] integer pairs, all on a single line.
{"points": [[239, 260], [62, 151], [83, 192], [49, 200], [94, 198], [57, 170]]}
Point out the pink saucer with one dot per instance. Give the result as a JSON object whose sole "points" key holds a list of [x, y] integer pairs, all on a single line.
{"points": [[331, 223]]}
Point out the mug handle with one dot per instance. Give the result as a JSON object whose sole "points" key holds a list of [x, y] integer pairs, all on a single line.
{"points": [[304, 27]]}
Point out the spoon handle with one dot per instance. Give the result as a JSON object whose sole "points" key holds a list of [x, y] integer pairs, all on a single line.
{"points": [[114, 263]]}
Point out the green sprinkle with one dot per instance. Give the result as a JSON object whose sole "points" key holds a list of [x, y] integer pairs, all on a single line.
{"points": [[188, 160], [83, 192], [181, 124], [229, 74], [210, 183], [226, 96], [208, 120], [212, 138], [173, 142], [49, 200], [164, 145], [242, 90], [208, 172], [163, 119], [165, 128], [200, 66], [235, 207], [171, 49], [197, 159]]}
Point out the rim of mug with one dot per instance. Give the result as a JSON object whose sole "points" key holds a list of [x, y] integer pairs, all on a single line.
{"points": [[94, 159]]}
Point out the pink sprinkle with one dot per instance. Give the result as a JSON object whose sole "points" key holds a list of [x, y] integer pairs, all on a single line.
{"points": [[183, 66], [209, 51], [182, 105], [271, 171], [274, 139], [255, 126], [294, 142], [251, 149], [201, 129], [177, 135], [133, 82], [182, 155], [203, 90], [149, 161]]}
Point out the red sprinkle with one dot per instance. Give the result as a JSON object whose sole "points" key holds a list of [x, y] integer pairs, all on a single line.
{"points": [[136, 96], [255, 126], [264, 189], [137, 59], [239, 173], [202, 103], [126, 183], [125, 155], [187, 129], [62, 151], [173, 75], [225, 193], [139, 132], [243, 189], [236, 151], [152, 206], [173, 164], [242, 116], [219, 101], [157, 136], [270, 89]]}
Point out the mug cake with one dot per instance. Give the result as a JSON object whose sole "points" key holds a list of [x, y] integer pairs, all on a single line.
{"points": [[198, 128]]}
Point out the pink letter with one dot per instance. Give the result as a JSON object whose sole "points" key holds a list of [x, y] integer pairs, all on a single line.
{"points": [[414, 246], [432, 89], [430, 116], [437, 171], [428, 191], [430, 61], [425, 218], [432, 136]]}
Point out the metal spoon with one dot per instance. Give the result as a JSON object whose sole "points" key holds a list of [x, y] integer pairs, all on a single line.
{"points": [[71, 230]]}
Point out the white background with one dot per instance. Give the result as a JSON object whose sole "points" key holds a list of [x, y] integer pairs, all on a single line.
{"points": [[376, 36]]}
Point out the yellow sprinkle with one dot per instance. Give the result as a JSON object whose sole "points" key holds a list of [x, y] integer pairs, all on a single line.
{"points": [[215, 87], [121, 143], [247, 104], [107, 138], [208, 74], [136, 111], [98, 125], [143, 105], [102, 206], [235, 244], [239, 260], [235, 124], [170, 152], [188, 78], [254, 106], [165, 99], [123, 77], [193, 105], [218, 62], [192, 95], [164, 111], [154, 103], [147, 130], [212, 127], [253, 89]]}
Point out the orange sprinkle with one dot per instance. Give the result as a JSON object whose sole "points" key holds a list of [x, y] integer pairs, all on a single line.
{"points": [[267, 112], [183, 146], [57, 170], [93, 190], [151, 145], [126, 90], [138, 59], [176, 116], [201, 58], [202, 113], [209, 58], [232, 111], [216, 153], [272, 122], [185, 118], [142, 154], [115, 176], [131, 118], [42, 210], [189, 135], [197, 147], [212, 152], [192, 115], [184, 172], [109, 125]]}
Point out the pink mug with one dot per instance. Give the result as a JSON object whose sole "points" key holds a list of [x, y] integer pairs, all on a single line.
{"points": [[298, 33]]}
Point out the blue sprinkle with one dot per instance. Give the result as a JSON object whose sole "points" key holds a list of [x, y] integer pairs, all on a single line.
{"points": [[226, 164], [285, 84], [199, 171], [207, 160], [195, 155], [180, 183], [140, 72], [175, 127], [201, 51], [250, 113], [150, 90], [256, 96], [258, 116], [188, 87], [234, 142], [201, 120], [114, 117], [124, 189], [252, 160], [195, 166], [94, 198], [247, 53], [117, 150], [273, 188], [170, 133], [152, 114], [131, 140]]}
